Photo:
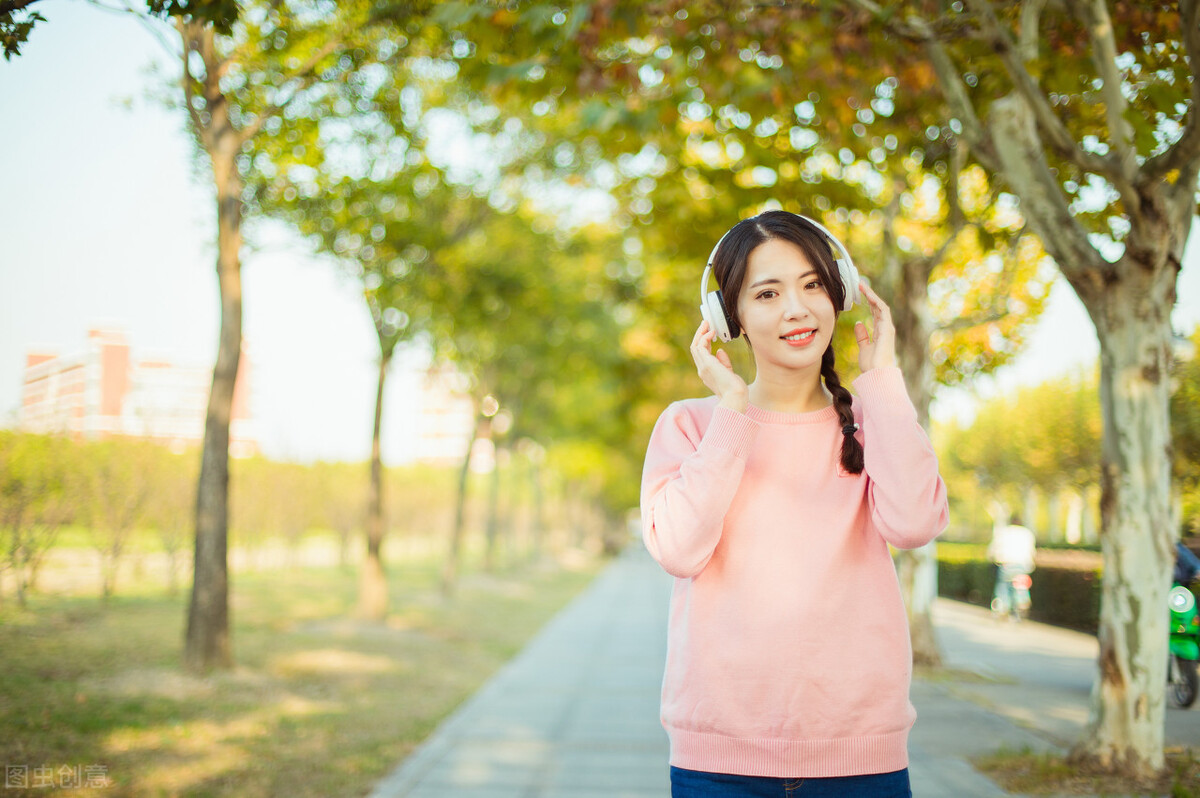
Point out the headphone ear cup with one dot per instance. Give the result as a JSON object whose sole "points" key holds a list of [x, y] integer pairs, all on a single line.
{"points": [[713, 311], [850, 279], [731, 327]]}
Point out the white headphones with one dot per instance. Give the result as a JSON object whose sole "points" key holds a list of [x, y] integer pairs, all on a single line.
{"points": [[712, 305]]}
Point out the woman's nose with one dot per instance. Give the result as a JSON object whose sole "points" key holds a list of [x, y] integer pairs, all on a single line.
{"points": [[794, 306]]}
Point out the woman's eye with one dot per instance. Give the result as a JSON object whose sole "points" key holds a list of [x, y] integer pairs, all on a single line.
{"points": [[766, 295], [813, 285]]}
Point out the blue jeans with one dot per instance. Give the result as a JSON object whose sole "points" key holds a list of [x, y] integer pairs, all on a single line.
{"points": [[695, 784]]}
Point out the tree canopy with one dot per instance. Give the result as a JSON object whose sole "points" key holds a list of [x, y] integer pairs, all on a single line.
{"points": [[18, 18]]}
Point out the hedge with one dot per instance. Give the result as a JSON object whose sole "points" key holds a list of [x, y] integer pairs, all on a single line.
{"points": [[1061, 595], [1064, 593]]}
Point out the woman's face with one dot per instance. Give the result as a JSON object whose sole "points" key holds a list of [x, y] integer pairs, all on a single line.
{"points": [[784, 308]]}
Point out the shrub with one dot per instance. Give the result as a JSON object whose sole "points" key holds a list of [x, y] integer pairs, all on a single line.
{"points": [[1066, 593], [967, 580], [1067, 597]]}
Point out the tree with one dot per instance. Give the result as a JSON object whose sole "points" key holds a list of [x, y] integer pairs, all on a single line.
{"points": [[1043, 438], [532, 326], [170, 502], [37, 496], [281, 63], [372, 199], [342, 501], [1087, 113], [116, 485]]}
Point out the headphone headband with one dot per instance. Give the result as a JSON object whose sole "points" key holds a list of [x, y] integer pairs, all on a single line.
{"points": [[708, 266]]}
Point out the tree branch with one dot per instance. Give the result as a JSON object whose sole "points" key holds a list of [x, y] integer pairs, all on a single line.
{"points": [[1043, 203], [968, 322], [933, 260], [1094, 14], [189, 94], [303, 73], [1007, 278], [901, 27], [155, 29], [1057, 134], [919, 31], [1187, 149], [957, 160], [1031, 11], [216, 103]]}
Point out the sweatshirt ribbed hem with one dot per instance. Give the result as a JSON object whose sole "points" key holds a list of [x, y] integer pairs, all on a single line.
{"points": [[855, 756], [732, 431]]}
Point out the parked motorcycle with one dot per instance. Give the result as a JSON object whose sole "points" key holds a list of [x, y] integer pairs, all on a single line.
{"points": [[1185, 646]]}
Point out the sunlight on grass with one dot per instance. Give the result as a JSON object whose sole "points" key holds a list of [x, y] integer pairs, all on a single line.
{"points": [[331, 661], [319, 704]]}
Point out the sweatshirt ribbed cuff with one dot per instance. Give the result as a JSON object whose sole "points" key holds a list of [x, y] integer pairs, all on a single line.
{"points": [[883, 388], [732, 431]]}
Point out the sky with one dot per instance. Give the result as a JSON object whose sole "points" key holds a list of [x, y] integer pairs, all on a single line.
{"points": [[106, 221]]}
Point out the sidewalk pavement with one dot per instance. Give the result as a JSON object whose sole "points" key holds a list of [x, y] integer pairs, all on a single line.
{"points": [[576, 712]]}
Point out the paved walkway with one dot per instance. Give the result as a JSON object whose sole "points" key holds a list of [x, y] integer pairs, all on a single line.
{"points": [[576, 712]]}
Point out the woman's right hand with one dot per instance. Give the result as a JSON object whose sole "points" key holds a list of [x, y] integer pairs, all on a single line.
{"points": [[717, 372]]}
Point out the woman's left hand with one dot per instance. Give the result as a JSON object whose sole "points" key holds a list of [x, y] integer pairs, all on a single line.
{"points": [[876, 348]]}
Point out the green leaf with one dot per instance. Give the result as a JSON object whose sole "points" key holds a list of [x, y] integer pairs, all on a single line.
{"points": [[457, 14]]}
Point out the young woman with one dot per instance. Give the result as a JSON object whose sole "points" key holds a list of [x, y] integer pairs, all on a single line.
{"points": [[773, 504]]}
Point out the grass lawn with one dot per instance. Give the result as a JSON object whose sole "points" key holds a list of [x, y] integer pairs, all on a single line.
{"points": [[1032, 773], [318, 705]]}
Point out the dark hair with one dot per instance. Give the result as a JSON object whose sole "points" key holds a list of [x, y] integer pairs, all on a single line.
{"points": [[729, 268]]}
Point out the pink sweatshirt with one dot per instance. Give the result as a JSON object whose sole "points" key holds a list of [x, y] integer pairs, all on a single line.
{"points": [[788, 650]]}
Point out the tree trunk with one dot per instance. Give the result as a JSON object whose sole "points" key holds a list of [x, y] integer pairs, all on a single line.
{"points": [[344, 546], [917, 568], [576, 518], [1054, 515], [207, 643], [450, 568], [11, 555], [1125, 729], [41, 544], [373, 594], [172, 572], [108, 575], [1075, 512], [18, 559], [492, 526], [538, 511], [1090, 521], [1130, 303]]}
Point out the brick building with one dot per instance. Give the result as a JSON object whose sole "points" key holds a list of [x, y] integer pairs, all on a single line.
{"points": [[102, 391]]}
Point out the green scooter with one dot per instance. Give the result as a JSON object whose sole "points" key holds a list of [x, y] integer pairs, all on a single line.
{"points": [[1185, 646]]}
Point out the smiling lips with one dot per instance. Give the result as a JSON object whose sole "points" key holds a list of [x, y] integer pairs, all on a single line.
{"points": [[799, 338]]}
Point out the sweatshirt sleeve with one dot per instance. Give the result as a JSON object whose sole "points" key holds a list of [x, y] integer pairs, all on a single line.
{"points": [[906, 495], [688, 483]]}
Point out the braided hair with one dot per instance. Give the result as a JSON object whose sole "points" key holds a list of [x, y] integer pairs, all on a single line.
{"points": [[852, 450]]}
